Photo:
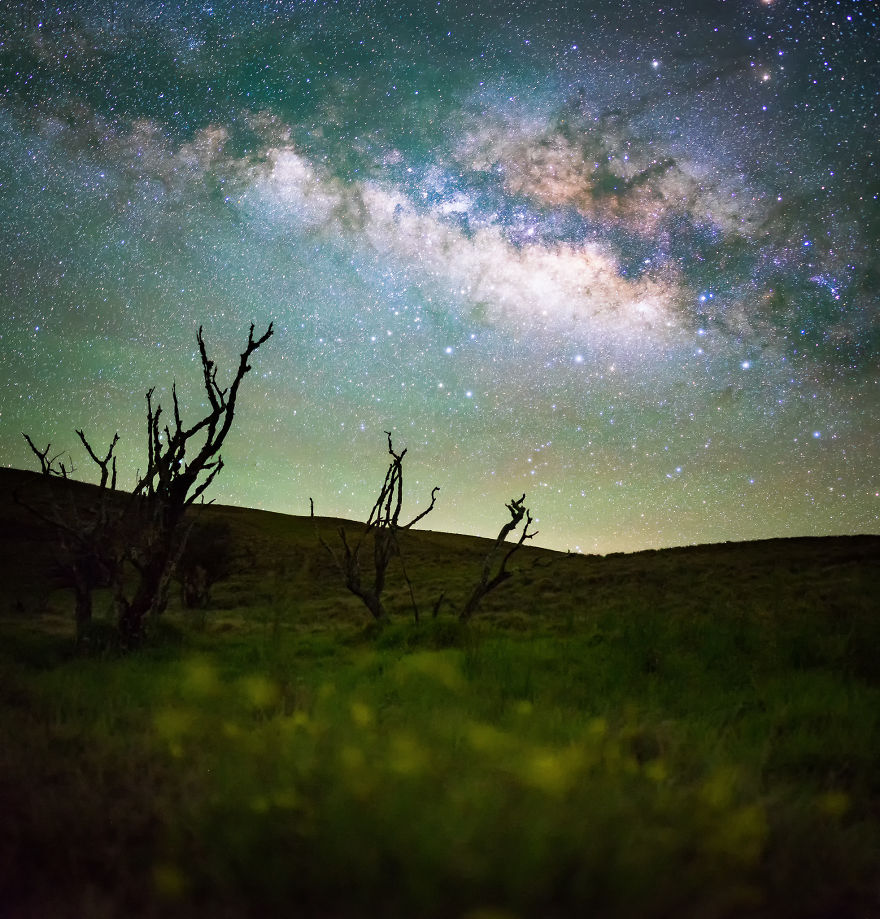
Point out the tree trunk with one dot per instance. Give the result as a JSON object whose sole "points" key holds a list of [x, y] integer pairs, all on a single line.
{"points": [[149, 600], [374, 605]]}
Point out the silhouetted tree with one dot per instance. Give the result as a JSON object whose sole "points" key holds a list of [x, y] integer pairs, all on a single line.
{"points": [[133, 542], [170, 485], [382, 525], [47, 463], [85, 528], [488, 581]]}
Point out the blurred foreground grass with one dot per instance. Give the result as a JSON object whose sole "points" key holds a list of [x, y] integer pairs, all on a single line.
{"points": [[638, 764]]}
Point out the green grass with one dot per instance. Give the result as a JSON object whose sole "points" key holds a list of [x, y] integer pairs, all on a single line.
{"points": [[691, 733], [646, 769]]}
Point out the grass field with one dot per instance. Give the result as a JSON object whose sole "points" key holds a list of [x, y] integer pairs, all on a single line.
{"points": [[692, 732]]}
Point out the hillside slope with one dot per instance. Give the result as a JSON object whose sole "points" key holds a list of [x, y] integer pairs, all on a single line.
{"points": [[275, 556]]}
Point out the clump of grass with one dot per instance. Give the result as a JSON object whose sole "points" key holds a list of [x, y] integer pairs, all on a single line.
{"points": [[431, 633]]}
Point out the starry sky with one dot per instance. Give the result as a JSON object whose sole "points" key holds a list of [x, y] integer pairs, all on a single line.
{"points": [[621, 257]]}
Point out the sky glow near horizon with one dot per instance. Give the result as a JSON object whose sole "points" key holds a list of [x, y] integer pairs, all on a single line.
{"points": [[621, 259]]}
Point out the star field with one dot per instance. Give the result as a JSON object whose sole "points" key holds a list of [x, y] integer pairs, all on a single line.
{"points": [[620, 257]]}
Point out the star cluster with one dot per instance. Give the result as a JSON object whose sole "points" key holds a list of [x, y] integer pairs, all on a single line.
{"points": [[619, 257]]}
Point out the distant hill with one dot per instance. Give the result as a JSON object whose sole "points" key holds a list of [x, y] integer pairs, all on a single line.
{"points": [[277, 558]]}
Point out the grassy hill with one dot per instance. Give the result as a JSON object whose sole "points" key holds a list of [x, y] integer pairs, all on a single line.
{"points": [[689, 731]]}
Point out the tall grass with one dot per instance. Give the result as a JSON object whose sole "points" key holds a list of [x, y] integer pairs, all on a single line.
{"points": [[635, 762]]}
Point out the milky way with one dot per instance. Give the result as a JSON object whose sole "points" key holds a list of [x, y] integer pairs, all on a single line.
{"points": [[622, 257]]}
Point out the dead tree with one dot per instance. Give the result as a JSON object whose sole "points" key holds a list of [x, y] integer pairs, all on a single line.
{"points": [[133, 542], [383, 525], [106, 465], [47, 463], [519, 513], [86, 531], [169, 486]]}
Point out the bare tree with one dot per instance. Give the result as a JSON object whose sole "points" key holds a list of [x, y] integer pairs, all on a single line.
{"points": [[133, 542], [106, 465], [519, 513], [383, 525], [86, 531], [170, 485], [47, 463]]}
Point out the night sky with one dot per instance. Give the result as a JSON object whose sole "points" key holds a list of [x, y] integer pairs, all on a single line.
{"points": [[620, 256]]}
